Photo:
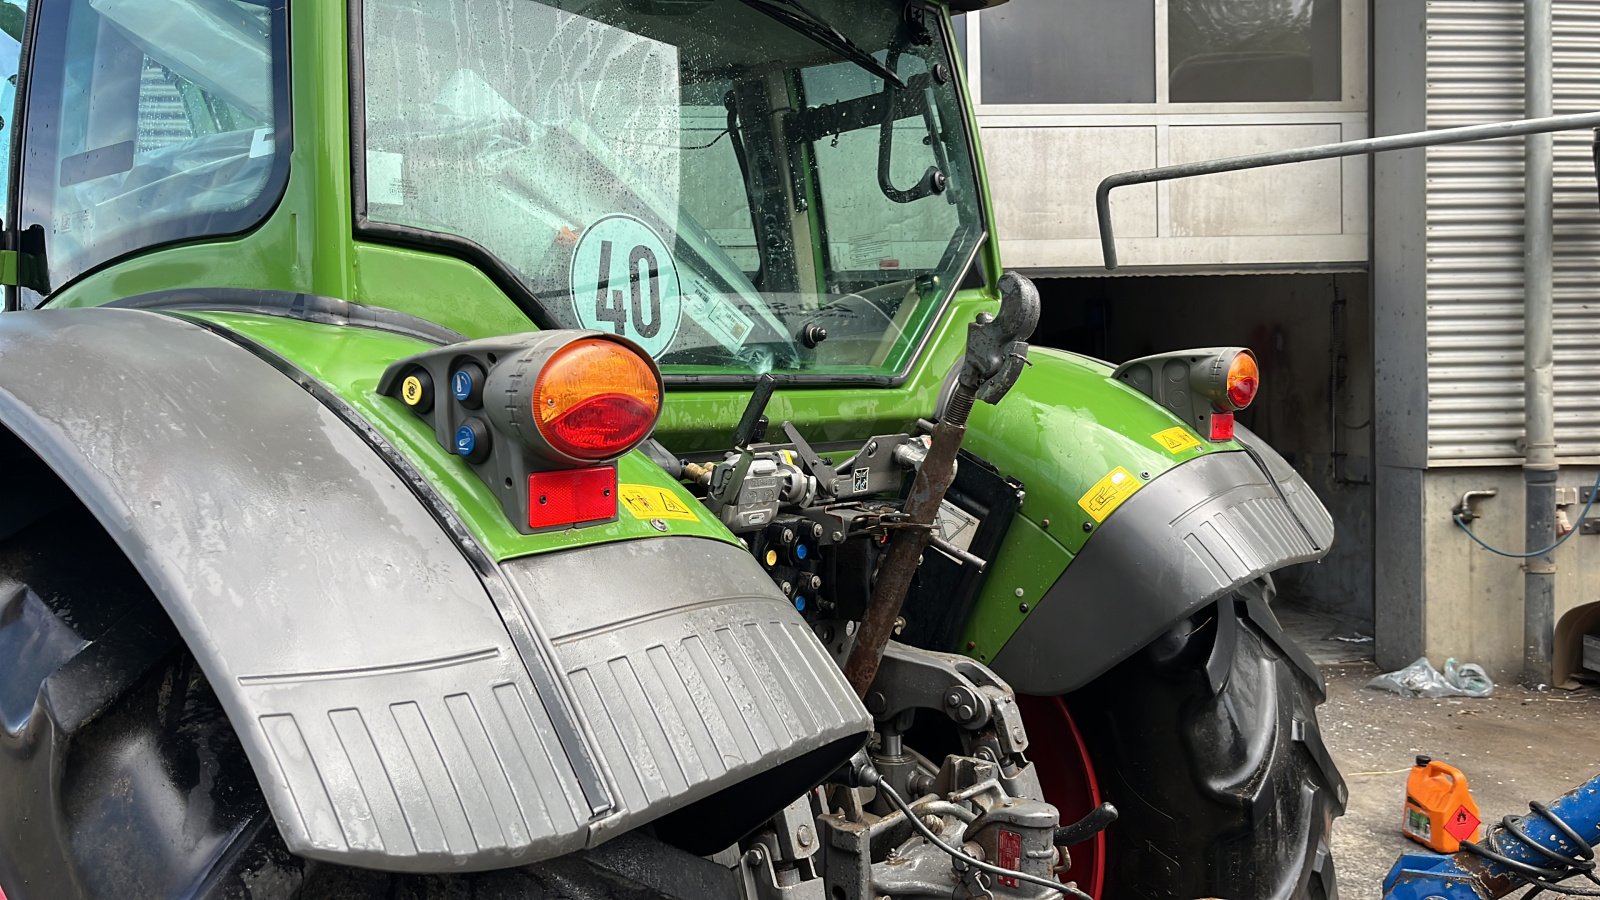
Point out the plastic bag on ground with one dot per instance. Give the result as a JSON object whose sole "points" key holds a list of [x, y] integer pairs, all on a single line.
{"points": [[1421, 679]]}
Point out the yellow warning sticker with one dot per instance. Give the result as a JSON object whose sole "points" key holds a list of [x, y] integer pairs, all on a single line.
{"points": [[411, 390], [650, 502], [1108, 493], [1176, 439]]}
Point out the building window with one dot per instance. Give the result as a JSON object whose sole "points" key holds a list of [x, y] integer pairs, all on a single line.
{"points": [[1069, 51], [1044, 52], [1253, 51]]}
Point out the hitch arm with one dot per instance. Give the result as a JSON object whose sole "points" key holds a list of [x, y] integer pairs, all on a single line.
{"points": [[997, 350]]}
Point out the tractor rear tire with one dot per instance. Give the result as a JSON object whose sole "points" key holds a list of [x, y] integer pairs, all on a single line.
{"points": [[120, 775], [1207, 742]]}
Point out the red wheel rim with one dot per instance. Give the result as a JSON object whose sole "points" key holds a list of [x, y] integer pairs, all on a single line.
{"points": [[1067, 775]]}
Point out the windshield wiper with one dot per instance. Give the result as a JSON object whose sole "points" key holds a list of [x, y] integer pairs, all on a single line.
{"points": [[813, 26]]}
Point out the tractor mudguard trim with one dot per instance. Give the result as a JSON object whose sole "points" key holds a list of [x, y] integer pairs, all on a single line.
{"points": [[337, 622], [693, 670], [700, 588], [534, 648], [1198, 531], [366, 655]]}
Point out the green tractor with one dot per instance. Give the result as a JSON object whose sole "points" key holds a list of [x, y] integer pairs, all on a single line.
{"points": [[589, 449]]}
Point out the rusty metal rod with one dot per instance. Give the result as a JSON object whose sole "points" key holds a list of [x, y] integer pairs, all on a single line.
{"points": [[899, 565]]}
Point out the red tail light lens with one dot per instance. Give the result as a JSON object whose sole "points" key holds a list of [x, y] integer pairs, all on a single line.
{"points": [[572, 497], [1222, 426], [595, 399], [1244, 379]]}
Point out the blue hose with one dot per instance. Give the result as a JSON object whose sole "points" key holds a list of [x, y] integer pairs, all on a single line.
{"points": [[1593, 492]]}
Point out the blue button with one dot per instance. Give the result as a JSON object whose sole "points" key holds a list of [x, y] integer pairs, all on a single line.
{"points": [[800, 604], [800, 551], [461, 387], [466, 441]]}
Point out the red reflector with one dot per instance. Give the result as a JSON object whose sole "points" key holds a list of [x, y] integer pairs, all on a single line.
{"points": [[1221, 426], [572, 496], [1010, 857]]}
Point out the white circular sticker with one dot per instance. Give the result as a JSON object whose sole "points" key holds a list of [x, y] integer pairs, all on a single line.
{"points": [[625, 282]]}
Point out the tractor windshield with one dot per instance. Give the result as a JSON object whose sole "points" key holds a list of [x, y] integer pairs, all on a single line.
{"points": [[740, 186]]}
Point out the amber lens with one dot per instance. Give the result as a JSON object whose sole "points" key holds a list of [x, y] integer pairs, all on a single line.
{"points": [[1244, 379], [595, 399]]}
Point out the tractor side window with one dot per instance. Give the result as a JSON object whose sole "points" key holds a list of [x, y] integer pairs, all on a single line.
{"points": [[13, 18], [714, 192], [151, 121], [871, 239]]}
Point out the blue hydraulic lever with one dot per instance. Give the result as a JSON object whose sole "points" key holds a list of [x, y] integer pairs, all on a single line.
{"points": [[1541, 845]]}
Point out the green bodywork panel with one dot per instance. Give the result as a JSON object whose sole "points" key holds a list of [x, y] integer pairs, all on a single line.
{"points": [[1062, 428], [348, 362]]}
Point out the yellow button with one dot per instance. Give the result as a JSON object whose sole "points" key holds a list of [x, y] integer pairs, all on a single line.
{"points": [[411, 390]]}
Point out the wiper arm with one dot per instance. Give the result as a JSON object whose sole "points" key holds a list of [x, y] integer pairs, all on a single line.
{"points": [[813, 26]]}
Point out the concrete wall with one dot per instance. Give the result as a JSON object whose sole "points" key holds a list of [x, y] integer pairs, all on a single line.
{"points": [[1400, 294], [1289, 320], [1473, 599]]}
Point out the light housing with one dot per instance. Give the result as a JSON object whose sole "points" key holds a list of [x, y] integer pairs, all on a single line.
{"points": [[539, 418], [1203, 388], [581, 399]]}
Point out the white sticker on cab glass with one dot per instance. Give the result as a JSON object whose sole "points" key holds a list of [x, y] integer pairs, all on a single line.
{"points": [[625, 282], [720, 317], [385, 172]]}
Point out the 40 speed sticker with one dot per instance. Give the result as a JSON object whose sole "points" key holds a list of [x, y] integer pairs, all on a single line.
{"points": [[1108, 493], [625, 282]]}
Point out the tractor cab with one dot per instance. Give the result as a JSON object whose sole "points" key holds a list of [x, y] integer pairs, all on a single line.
{"points": [[741, 187]]}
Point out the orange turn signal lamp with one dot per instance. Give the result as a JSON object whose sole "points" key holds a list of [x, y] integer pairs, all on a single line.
{"points": [[541, 418], [596, 399], [1244, 379]]}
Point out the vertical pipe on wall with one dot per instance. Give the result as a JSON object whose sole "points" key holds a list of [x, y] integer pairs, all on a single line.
{"points": [[1539, 466]]}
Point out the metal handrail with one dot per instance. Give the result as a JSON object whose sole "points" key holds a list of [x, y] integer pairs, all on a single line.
{"points": [[1518, 128]]}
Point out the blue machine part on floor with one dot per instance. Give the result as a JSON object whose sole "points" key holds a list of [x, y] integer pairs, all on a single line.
{"points": [[1470, 876]]}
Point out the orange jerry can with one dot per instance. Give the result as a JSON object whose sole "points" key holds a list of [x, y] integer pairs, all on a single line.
{"points": [[1440, 811]]}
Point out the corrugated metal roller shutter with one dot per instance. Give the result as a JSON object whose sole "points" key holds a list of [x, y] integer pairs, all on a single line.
{"points": [[1577, 246], [1475, 228], [1474, 234]]}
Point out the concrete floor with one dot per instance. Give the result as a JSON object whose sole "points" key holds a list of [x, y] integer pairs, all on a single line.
{"points": [[1515, 746]]}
